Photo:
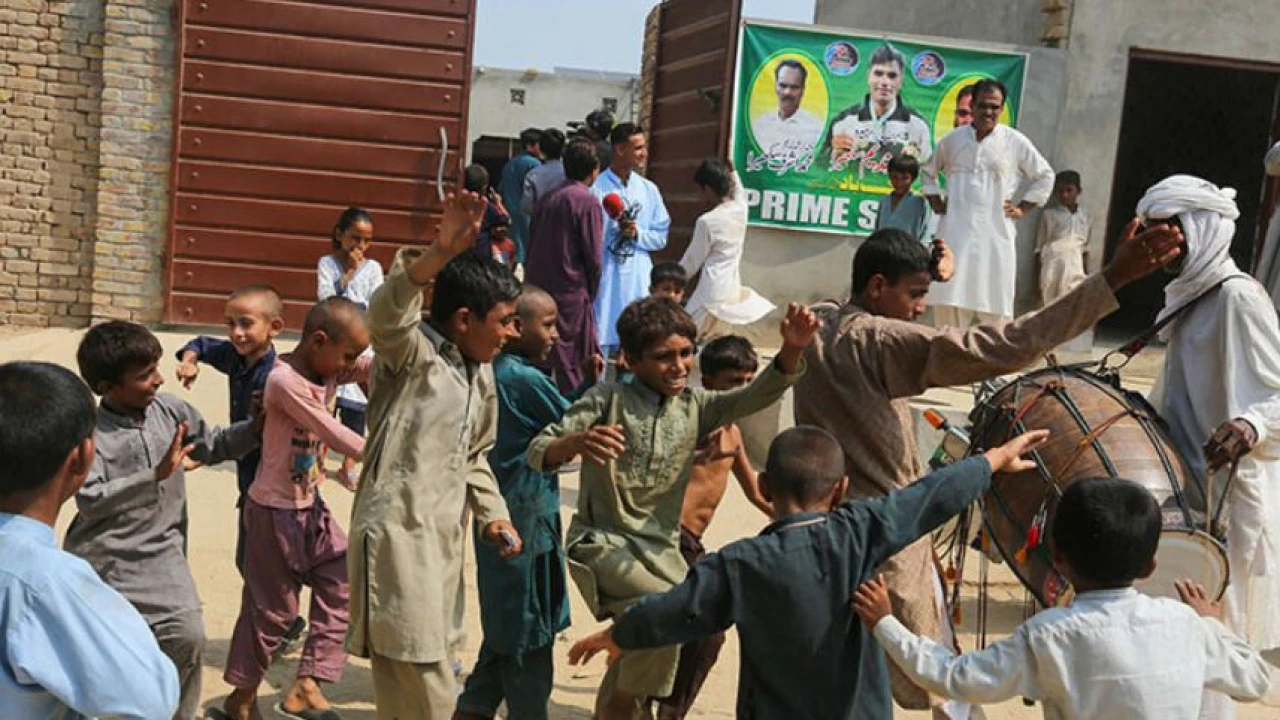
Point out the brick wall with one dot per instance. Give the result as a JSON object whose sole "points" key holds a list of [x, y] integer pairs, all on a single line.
{"points": [[85, 117]]}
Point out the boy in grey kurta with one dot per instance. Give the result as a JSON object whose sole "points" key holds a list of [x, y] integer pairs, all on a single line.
{"points": [[638, 439], [132, 521], [433, 419], [870, 359]]}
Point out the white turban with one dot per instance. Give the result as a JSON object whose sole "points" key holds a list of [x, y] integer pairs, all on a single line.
{"points": [[1208, 216]]}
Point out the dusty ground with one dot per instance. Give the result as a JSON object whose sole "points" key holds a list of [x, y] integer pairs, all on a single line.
{"points": [[212, 493]]}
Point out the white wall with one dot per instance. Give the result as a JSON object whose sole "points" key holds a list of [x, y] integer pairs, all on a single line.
{"points": [[552, 99], [1102, 34]]}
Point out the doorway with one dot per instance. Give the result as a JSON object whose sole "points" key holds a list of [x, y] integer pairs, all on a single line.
{"points": [[1198, 116]]}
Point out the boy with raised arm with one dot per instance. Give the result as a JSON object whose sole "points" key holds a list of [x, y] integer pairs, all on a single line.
{"points": [[638, 439]]}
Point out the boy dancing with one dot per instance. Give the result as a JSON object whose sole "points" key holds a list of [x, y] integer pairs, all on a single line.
{"points": [[639, 439], [523, 600], [132, 521], [804, 654], [292, 537], [433, 419], [1114, 653]]}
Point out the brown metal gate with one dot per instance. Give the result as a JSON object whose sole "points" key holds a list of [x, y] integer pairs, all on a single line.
{"points": [[288, 112], [692, 100]]}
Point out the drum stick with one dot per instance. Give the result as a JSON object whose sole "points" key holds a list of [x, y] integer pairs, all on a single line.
{"points": [[1208, 505], [1213, 521]]}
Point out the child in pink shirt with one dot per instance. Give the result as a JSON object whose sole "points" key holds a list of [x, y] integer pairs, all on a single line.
{"points": [[292, 538]]}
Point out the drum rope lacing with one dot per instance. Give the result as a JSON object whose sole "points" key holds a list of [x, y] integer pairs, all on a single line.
{"points": [[1020, 406]]}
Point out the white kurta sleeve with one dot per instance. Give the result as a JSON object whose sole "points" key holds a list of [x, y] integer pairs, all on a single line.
{"points": [[936, 165], [1036, 170], [1253, 363], [699, 247], [1000, 672], [1232, 666]]}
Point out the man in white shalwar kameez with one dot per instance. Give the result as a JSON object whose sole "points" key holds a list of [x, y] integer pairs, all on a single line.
{"points": [[984, 164], [1220, 393], [719, 301]]}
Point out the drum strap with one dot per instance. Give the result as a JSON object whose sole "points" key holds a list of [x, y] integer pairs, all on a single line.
{"points": [[1137, 344]]}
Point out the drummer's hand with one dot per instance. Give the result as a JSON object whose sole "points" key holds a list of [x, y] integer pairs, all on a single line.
{"points": [[1008, 457], [1193, 594], [1231, 441], [871, 602], [1138, 255]]}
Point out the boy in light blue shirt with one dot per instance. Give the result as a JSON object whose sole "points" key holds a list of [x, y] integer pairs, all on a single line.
{"points": [[71, 647]]}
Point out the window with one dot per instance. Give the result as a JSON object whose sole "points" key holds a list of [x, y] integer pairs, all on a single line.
{"points": [[517, 96], [609, 104]]}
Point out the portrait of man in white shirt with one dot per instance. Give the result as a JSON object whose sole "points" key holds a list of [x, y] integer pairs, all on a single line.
{"points": [[789, 127]]}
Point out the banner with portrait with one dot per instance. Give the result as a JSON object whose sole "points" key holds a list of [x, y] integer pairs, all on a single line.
{"points": [[819, 114]]}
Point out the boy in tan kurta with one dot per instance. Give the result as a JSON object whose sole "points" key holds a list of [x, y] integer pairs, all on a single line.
{"points": [[869, 360], [433, 419]]}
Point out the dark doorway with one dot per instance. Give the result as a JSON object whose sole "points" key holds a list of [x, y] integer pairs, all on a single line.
{"points": [[493, 153], [1196, 116]]}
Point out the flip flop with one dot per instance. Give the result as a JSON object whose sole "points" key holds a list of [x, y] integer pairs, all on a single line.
{"points": [[307, 714]]}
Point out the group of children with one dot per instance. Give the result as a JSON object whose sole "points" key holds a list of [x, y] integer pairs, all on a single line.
{"points": [[461, 416]]}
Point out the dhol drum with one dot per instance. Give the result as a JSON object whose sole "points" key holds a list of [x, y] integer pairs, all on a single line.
{"points": [[1097, 429], [1188, 554]]}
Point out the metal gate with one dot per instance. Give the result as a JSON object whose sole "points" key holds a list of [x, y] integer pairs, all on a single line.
{"points": [[692, 100], [288, 112]]}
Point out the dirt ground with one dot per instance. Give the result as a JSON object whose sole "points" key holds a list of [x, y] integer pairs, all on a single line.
{"points": [[213, 525]]}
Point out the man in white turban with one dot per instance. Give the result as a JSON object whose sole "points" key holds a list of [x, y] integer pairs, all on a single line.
{"points": [[1220, 393]]}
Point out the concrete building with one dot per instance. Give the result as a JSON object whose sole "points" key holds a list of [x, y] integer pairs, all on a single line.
{"points": [[1125, 93], [505, 102]]}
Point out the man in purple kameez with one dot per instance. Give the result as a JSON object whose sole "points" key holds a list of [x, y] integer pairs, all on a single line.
{"points": [[564, 257]]}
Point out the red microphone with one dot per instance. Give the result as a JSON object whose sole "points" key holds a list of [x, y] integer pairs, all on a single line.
{"points": [[614, 205]]}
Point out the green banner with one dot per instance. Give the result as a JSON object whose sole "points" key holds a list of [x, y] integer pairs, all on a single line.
{"points": [[819, 114]]}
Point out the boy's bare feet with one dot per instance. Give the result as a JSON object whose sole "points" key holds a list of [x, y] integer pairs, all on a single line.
{"points": [[242, 704], [305, 694]]}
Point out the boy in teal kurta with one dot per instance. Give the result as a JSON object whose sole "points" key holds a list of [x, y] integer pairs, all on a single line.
{"points": [[523, 600], [637, 440]]}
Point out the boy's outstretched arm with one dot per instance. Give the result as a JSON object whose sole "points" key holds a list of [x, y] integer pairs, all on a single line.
{"points": [[215, 444], [750, 482], [203, 349], [1000, 672], [697, 607], [395, 310], [883, 526], [578, 433], [1234, 667], [721, 408]]}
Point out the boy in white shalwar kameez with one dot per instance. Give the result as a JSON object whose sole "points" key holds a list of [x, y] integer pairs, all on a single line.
{"points": [[1062, 242], [1220, 393], [1113, 653], [720, 302]]}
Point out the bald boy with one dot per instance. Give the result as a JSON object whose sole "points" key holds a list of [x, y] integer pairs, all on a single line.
{"points": [[523, 600], [293, 539]]}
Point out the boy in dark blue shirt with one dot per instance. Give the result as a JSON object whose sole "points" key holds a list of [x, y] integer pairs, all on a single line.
{"points": [[254, 319], [804, 654]]}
